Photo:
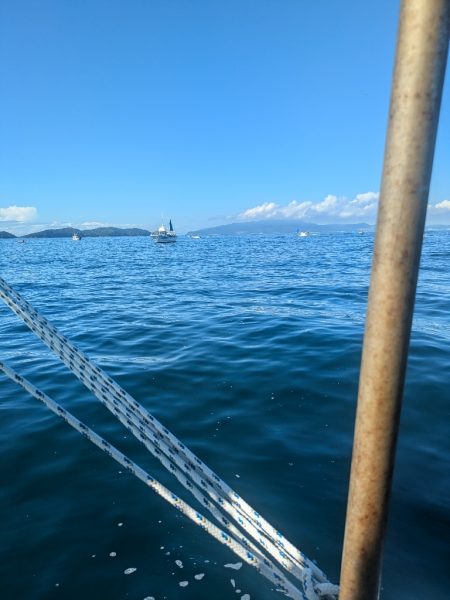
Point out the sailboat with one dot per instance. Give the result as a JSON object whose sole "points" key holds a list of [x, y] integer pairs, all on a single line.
{"points": [[162, 236]]}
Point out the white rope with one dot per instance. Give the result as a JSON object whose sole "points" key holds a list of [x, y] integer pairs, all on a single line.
{"points": [[188, 469], [213, 484], [156, 441]]}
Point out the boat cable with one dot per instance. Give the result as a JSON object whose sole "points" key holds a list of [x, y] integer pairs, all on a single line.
{"points": [[180, 461], [90, 377]]}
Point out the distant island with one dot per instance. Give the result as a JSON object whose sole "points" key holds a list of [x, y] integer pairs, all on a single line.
{"points": [[278, 226], [67, 232]]}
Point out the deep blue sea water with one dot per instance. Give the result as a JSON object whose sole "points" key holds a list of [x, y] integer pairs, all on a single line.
{"points": [[248, 349]]}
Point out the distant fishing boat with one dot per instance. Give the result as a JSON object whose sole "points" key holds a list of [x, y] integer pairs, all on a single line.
{"points": [[164, 236], [76, 237], [303, 233]]}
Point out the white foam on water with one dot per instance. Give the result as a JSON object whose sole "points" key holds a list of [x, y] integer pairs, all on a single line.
{"points": [[199, 576], [129, 570], [233, 583], [245, 597], [235, 566], [183, 583], [179, 563]]}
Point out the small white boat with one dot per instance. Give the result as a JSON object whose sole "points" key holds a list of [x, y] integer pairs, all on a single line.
{"points": [[76, 237], [164, 236], [303, 234]]}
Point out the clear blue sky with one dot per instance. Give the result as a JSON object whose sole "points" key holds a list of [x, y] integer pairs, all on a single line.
{"points": [[117, 111]]}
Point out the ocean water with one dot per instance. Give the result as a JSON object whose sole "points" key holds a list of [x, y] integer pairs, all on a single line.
{"points": [[248, 349]]}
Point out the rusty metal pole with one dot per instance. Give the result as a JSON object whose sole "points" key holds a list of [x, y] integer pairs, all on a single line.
{"points": [[413, 117]]}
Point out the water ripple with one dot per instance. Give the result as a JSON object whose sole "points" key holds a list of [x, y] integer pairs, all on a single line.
{"points": [[248, 349]]}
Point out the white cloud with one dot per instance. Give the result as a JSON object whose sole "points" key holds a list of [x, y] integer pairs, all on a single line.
{"points": [[265, 211], [18, 214], [366, 198], [294, 210], [444, 205], [331, 208]]}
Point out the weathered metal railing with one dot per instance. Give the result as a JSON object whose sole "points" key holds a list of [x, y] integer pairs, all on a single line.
{"points": [[413, 118]]}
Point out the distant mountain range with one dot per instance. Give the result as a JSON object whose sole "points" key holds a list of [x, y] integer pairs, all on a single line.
{"points": [[67, 232], [277, 226]]}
